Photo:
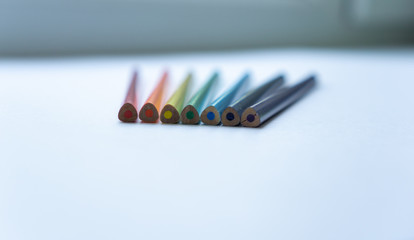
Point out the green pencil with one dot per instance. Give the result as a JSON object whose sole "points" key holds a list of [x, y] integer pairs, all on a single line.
{"points": [[191, 112], [171, 111]]}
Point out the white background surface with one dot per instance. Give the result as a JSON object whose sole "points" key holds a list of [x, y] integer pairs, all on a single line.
{"points": [[336, 165]]}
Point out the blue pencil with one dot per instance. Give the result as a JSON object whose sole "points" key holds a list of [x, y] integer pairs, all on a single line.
{"points": [[190, 113], [231, 115], [212, 114], [260, 112]]}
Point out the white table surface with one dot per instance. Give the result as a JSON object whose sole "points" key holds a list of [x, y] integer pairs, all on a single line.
{"points": [[339, 164]]}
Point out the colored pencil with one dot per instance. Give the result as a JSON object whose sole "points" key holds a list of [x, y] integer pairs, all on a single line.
{"points": [[171, 111], [149, 112], [128, 111], [231, 115], [190, 113], [212, 114], [255, 115]]}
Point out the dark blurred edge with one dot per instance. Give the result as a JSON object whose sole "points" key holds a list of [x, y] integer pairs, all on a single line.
{"points": [[129, 27]]}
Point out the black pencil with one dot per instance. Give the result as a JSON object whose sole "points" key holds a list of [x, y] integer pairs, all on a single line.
{"points": [[231, 115], [258, 113]]}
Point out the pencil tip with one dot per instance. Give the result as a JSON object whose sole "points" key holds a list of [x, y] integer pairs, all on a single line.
{"points": [[250, 118], [148, 113], [190, 115], [127, 113], [210, 116], [230, 117], [169, 114]]}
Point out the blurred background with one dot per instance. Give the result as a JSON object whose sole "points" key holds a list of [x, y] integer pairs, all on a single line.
{"points": [[49, 27], [336, 165]]}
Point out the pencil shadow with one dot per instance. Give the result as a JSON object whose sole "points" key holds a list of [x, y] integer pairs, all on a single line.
{"points": [[180, 124], [208, 125], [127, 123], [149, 123], [265, 123], [237, 126], [138, 123]]}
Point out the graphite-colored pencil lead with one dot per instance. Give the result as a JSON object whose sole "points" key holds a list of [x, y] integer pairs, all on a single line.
{"points": [[212, 114], [149, 112], [258, 113], [128, 111], [190, 113], [232, 114], [171, 111]]}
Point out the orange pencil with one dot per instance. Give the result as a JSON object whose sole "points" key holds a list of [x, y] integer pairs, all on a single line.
{"points": [[149, 112], [128, 111]]}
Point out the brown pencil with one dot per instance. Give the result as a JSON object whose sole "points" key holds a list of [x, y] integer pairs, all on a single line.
{"points": [[149, 112], [128, 111]]}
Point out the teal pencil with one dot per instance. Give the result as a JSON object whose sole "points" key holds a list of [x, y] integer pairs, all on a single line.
{"points": [[190, 113], [212, 114]]}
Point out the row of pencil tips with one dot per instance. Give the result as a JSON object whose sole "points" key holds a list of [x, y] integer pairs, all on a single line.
{"points": [[236, 106]]}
